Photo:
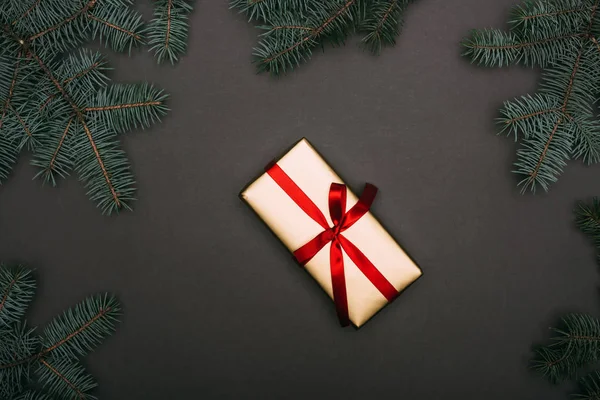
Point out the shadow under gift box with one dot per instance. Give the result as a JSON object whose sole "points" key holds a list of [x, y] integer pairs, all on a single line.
{"points": [[295, 228]]}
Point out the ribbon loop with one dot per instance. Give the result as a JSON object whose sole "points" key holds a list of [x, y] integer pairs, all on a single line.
{"points": [[337, 204], [342, 220], [361, 207]]}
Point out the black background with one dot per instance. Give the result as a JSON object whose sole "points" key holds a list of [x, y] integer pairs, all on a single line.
{"points": [[215, 308]]}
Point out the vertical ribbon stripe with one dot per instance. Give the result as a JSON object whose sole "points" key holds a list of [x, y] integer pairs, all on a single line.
{"points": [[342, 220]]}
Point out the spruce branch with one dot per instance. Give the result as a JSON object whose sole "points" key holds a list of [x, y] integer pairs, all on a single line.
{"points": [[589, 387], [383, 24], [554, 363], [168, 31], [120, 27], [49, 362], [16, 291], [8, 155], [52, 158], [265, 9], [55, 30], [576, 344], [82, 328], [66, 379], [104, 190], [128, 106], [587, 219], [49, 100], [32, 7], [557, 123], [576, 341], [18, 342], [550, 14], [283, 48], [293, 29], [33, 395]]}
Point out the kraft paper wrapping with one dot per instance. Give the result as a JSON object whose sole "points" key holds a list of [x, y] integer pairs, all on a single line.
{"points": [[295, 228]]}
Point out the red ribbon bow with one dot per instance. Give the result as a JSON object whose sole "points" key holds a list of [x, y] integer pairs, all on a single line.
{"points": [[342, 220]]}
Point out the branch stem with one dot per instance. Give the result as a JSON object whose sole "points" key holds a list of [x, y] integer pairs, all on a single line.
{"points": [[113, 26], [550, 110], [80, 395], [169, 6], [8, 289], [47, 350], [527, 44], [534, 173], [122, 106], [11, 89], [60, 143], [26, 13], [90, 4]]}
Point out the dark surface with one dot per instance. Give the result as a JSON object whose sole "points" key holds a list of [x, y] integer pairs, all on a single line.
{"points": [[215, 308]]}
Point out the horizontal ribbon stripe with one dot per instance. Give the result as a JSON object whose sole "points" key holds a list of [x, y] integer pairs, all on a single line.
{"points": [[296, 194]]}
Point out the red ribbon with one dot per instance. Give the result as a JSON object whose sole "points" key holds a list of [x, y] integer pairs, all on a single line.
{"points": [[342, 220]]}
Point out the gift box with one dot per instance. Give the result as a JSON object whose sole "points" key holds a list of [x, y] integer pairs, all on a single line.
{"points": [[332, 233]]}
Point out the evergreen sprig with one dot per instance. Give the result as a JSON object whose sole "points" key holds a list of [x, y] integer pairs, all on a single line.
{"points": [[294, 28], [576, 344], [576, 341], [559, 122], [589, 387], [47, 366], [58, 103], [588, 220], [168, 31]]}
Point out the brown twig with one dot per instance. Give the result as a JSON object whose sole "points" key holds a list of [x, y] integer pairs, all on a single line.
{"points": [[121, 106], [83, 10], [77, 332], [169, 6], [21, 121], [527, 44], [26, 13], [590, 338], [44, 352], [510, 121], [8, 289], [553, 14], [316, 32], [595, 41], [113, 26], [82, 73], [303, 28], [69, 80], [534, 173], [385, 16], [60, 143], [48, 100], [11, 89], [64, 379], [553, 363]]}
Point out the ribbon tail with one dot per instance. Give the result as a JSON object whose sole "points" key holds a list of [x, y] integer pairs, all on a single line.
{"points": [[368, 269], [337, 202], [338, 283]]}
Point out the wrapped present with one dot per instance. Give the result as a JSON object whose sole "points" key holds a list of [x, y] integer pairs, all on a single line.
{"points": [[331, 233]]}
